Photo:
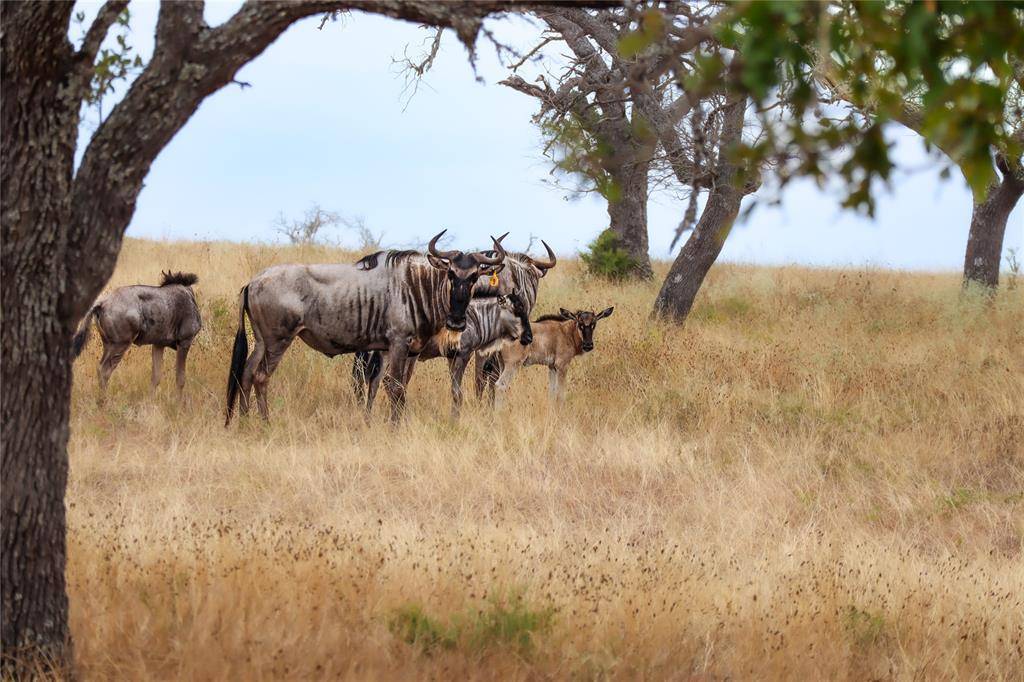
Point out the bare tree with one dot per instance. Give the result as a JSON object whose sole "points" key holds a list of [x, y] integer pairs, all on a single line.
{"points": [[62, 231], [309, 228]]}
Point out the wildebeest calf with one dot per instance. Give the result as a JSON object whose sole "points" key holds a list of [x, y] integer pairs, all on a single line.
{"points": [[557, 339], [164, 317]]}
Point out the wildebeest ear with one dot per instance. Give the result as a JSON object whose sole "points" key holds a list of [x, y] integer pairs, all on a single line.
{"points": [[566, 314], [492, 269], [439, 263], [605, 313]]}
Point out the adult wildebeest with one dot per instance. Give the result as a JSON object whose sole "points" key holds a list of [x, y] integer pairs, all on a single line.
{"points": [[391, 300], [520, 274], [557, 339], [165, 316], [490, 324]]}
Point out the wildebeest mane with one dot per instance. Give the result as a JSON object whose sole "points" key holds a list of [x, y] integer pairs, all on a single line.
{"points": [[186, 279], [392, 257], [551, 316]]}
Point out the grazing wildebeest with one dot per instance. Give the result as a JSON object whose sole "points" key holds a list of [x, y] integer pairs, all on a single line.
{"points": [[391, 300], [490, 324], [520, 274], [557, 339], [164, 317]]}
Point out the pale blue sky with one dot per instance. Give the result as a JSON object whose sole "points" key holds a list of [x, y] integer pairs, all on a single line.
{"points": [[324, 122]]}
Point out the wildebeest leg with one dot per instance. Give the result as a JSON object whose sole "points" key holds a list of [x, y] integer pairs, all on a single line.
{"points": [[491, 371], [394, 376], [552, 383], [271, 358], [410, 367], [457, 368], [360, 378], [557, 376], [372, 387], [158, 363], [478, 375], [259, 349], [504, 381], [179, 366], [112, 354]]}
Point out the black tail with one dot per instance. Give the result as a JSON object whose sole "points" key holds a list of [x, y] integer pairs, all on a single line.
{"points": [[238, 355], [82, 335], [365, 369]]}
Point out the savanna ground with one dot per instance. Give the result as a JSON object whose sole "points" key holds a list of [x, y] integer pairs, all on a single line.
{"points": [[820, 476]]}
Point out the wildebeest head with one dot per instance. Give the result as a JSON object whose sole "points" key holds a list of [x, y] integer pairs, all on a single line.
{"points": [[516, 307], [586, 321], [463, 270]]}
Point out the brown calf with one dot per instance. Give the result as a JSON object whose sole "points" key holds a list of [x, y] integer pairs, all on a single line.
{"points": [[557, 339]]}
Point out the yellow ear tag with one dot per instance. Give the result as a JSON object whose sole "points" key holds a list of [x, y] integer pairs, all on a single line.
{"points": [[494, 279]]}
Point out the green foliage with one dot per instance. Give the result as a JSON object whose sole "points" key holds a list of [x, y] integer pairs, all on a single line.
{"points": [[952, 61], [504, 621], [604, 257], [577, 151], [413, 626], [112, 64]]}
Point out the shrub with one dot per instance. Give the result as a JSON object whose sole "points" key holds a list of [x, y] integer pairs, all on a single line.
{"points": [[606, 258], [502, 622]]}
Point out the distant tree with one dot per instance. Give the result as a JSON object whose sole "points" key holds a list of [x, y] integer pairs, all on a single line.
{"points": [[613, 120], [308, 229], [62, 231]]}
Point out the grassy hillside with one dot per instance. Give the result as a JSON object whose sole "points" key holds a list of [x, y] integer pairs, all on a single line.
{"points": [[820, 476]]}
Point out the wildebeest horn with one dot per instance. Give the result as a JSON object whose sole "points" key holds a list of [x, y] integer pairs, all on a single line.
{"points": [[549, 263], [485, 260], [432, 248]]}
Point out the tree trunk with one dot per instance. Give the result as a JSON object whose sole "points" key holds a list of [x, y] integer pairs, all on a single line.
{"points": [[39, 127], [700, 251], [988, 227], [698, 254], [627, 214]]}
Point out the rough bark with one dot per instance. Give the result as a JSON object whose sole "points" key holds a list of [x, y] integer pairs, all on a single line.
{"points": [[988, 227], [698, 254], [39, 125], [700, 251], [627, 214], [62, 232]]}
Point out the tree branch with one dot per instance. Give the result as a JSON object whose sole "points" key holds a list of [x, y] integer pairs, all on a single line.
{"points": [[96, 34]]}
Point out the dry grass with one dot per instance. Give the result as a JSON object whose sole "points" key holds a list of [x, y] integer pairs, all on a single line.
{"points": [[820, 476]]}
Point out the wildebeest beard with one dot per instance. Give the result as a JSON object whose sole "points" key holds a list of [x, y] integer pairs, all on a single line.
{"points": [[448, 341]]}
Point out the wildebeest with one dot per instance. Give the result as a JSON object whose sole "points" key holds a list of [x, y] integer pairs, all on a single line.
{"points": [[557, 339], [490, 323], [520, 274], [523, 274], [164, 316], [391, 300]]}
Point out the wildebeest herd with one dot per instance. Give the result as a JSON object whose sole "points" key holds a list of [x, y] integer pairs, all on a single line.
{"points": [[390, 308]]}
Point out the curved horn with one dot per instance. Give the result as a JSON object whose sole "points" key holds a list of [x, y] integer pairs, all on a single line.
{"points": [[484, 260], [432, 248], [549, 263]]}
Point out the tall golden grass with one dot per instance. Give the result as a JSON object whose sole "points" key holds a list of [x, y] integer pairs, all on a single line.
{"points": [[821, 475]]}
